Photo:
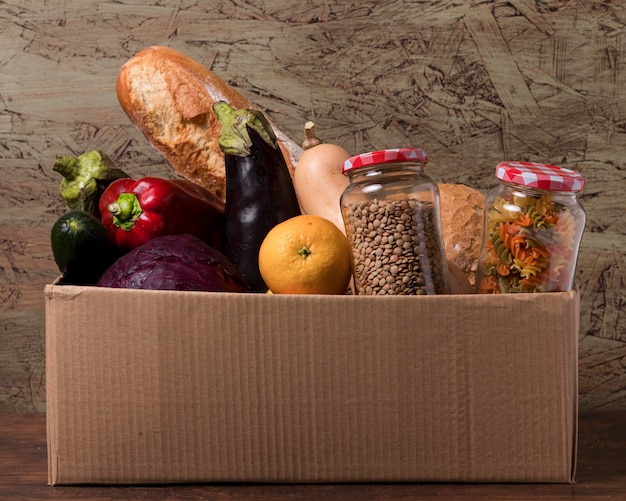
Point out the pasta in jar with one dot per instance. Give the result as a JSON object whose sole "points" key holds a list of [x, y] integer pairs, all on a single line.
{"points": [[533, 227]]}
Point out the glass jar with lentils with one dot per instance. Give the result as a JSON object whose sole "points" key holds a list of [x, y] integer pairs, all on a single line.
{"points": [[391, 214]]}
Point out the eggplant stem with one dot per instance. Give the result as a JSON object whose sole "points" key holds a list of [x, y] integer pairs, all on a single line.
{"points": [[234, 138]]}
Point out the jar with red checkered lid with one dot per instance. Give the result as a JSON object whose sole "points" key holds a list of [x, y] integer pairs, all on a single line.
{"points": [[533, 228], [391, 215]]}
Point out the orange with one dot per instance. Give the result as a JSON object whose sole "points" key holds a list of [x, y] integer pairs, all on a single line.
{"points": [[306, 254]]}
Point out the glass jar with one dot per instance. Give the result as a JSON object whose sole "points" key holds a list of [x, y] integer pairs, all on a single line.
{"points": [[532, 229], [391, 214]]}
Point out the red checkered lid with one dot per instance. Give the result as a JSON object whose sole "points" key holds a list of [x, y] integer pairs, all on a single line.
{"points": [[384, 157], [540, 176]]}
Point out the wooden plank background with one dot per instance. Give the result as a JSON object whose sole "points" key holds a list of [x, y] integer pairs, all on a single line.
{"points": [[473, 83]]}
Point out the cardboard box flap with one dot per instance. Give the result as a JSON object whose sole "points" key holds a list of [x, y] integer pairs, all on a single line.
{"points": [[156, 386]]}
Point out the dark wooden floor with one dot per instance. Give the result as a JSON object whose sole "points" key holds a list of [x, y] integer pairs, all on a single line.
{"points": [[601, 474]]}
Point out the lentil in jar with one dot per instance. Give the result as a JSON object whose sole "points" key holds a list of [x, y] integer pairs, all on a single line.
{"points": [[391, 214]]}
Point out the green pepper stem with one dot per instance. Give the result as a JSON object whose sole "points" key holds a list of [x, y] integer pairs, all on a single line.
{"points": [[67, 166], [125, 211]]}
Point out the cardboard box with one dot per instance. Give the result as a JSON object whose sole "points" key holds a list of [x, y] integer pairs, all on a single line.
{"points": [[169, 387]]}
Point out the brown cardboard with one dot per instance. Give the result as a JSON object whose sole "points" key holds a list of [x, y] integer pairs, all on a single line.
{"points": [[168, 387]]}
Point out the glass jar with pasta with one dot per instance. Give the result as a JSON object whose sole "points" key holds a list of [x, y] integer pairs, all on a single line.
{"points": [[533, 227]]}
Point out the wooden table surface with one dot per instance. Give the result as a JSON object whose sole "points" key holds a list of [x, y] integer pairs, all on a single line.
{"points": [[601, 474]]}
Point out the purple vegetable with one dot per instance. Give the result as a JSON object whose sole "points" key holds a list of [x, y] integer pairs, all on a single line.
{"points": [[174, 262]]}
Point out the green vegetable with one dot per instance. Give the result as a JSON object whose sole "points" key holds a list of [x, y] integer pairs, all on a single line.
{"points": [[82, 248], [85, 178]]}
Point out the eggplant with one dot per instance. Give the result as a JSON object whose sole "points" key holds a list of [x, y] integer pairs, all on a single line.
{"points": [[259, 190]]}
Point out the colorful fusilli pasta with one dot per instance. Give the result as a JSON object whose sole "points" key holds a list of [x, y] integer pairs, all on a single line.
{"points": [[530, 245]]}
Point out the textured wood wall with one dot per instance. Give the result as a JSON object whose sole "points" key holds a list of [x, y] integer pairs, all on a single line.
{"points": [[473, 83]]}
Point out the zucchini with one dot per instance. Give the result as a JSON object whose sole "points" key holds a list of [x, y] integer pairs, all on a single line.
{"points": [[82, 248]]}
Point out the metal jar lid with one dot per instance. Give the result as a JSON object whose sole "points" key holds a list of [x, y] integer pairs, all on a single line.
{"points": [[384, 157], [540, 176]]}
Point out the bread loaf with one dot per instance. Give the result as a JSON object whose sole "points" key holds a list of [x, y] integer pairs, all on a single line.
{"points": [[169, 97], [459, 282], [462, 225]]}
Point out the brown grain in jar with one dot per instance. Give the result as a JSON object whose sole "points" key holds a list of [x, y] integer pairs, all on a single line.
{"points": [[391, 215]]}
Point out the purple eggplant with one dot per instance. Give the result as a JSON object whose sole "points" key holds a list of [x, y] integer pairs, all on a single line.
{"points": [[259, 190]]}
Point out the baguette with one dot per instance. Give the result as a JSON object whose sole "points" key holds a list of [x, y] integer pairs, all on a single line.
{"points": [[169, 97]]}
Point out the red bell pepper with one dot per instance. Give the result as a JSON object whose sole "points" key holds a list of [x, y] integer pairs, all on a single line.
{"points": [[135, 211]]}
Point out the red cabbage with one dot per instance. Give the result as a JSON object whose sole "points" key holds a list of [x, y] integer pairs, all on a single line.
{"points": [[174, 262]]}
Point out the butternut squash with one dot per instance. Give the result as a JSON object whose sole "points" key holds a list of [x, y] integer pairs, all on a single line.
{"points": [[318, 180]]}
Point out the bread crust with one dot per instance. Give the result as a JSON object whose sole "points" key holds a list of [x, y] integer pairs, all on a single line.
{"points": [[169, 97]]}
